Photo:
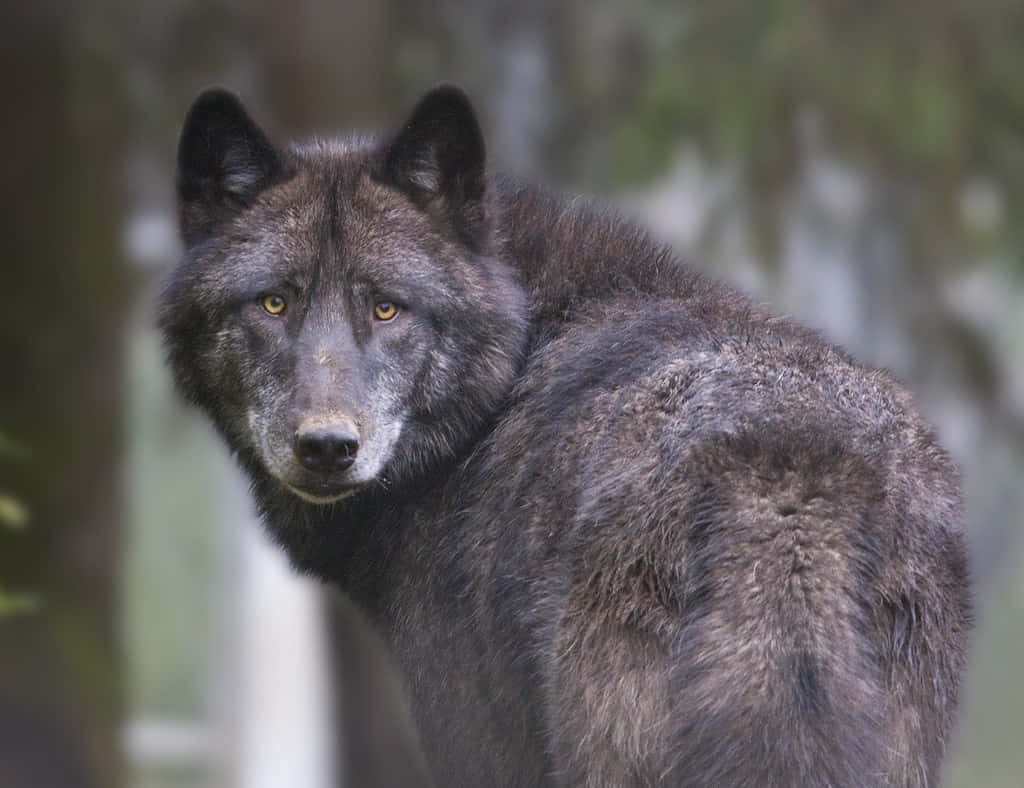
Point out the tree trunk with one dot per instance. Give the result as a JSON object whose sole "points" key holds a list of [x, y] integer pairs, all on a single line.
{"points": [[60, 395]]}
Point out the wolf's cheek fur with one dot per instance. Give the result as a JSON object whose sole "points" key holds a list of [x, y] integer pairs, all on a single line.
{"points": [[228, 363]]}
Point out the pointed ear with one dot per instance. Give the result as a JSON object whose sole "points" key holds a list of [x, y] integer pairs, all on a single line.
{"points": [[224, 161], [437, 159]]}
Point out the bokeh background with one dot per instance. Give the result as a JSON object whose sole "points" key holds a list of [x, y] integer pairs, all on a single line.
{"points": [[859, 165]]}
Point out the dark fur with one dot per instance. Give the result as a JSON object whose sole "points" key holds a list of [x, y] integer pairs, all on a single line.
{"points": [[634, 531]]}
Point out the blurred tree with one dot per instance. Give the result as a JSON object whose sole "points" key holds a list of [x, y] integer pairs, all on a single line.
{"points": [[60, 343], [921, 92]]}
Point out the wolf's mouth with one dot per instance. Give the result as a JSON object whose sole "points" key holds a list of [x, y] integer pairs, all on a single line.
{"points": [[324, 492]]}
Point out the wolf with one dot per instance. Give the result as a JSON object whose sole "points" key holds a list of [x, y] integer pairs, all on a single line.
{"points": [[617, 524]]}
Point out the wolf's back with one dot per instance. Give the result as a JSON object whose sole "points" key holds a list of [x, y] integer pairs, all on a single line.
{"points": [[767, 551], [789, 660]]}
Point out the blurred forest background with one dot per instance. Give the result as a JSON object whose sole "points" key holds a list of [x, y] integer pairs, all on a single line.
{"points": [[858, 165]]}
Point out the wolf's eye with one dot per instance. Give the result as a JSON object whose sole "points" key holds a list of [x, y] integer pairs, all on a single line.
{"points": [[384, 310], [273, 304]]}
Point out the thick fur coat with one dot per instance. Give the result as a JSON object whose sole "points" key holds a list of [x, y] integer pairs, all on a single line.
{"points": [[617, 525]]}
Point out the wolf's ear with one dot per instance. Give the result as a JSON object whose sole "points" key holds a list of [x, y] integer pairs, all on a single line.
{"points": [[224, 161], [437, 158]]}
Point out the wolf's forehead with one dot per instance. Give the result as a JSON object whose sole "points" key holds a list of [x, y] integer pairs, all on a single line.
{"points": [[331, 187], [333, 213], [301, 213], [336, 198]]}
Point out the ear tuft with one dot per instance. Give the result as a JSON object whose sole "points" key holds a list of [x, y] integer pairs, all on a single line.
{"points": [[224, 161], [437, 158]]}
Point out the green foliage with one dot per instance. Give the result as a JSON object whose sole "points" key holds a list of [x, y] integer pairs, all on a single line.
{"points": [[13, 514], [13, 517], [17, 604], [9, 449], [926, 96]]}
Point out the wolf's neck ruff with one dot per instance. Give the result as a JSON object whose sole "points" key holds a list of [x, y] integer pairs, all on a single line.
{"points": [[619, 525]]}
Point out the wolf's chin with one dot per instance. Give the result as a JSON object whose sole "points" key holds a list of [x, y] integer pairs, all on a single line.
{"points": [[321, 500]]}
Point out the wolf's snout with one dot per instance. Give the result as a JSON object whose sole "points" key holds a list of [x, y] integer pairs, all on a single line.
{"points": [[326, 449]]}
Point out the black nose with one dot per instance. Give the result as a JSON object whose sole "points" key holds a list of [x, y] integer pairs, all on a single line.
{"points": [[327, 449]]}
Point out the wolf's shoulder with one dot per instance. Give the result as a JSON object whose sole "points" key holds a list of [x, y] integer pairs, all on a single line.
{"points": [[642, 383], [634, 345], [617, 316]]}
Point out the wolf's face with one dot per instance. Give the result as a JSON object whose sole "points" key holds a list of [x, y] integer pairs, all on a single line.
{"points": [[337, 311]]}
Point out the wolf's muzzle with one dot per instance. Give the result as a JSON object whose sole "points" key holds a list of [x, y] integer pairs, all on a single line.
{"points": [[326, 449]]}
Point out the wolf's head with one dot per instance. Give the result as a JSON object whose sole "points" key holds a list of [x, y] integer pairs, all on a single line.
{"points": [[339, 311]]}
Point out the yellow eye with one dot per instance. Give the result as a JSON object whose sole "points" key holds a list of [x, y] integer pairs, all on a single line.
{"points": [[384, 310], [273, 304]]}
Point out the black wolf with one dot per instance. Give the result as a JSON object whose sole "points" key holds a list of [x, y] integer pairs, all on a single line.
{"points": [[618, 525]]}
